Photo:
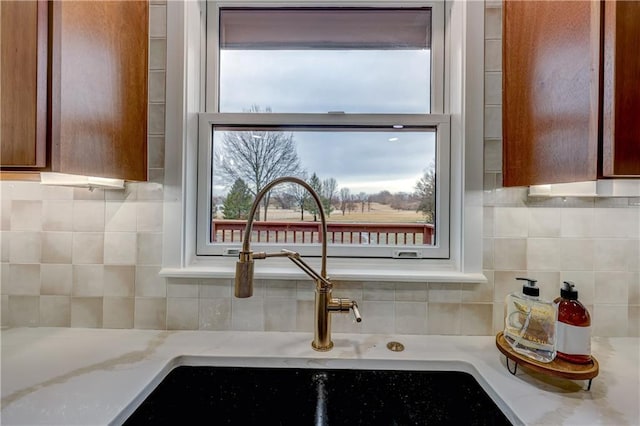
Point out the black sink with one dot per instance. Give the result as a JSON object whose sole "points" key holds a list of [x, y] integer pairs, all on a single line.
{"points": [[305, 396]]}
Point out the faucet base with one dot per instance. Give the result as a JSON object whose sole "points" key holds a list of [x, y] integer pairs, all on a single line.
{"points": [[323, 348]]}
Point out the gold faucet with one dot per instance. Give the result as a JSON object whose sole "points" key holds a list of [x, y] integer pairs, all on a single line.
{"points": [[324, 303]]}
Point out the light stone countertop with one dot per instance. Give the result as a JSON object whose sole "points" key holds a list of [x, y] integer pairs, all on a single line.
{"points": [[77, 376]]}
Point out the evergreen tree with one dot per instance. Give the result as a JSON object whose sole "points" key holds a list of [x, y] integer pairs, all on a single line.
{"points": [[238, 201], [311, 207]]}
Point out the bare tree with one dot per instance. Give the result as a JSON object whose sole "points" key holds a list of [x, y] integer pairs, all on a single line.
{"points": [[257, 157], [300, 194], [362, 198], [329, 187], [345, 198]]}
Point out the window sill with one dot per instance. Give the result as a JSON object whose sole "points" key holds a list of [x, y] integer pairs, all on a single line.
{"points": [[337, 269]]}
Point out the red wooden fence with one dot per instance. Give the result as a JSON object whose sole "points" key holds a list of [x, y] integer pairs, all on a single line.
{"points": [[230, 231]]}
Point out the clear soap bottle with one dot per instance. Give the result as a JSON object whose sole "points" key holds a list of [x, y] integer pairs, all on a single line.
{"points": [[530, 323]]}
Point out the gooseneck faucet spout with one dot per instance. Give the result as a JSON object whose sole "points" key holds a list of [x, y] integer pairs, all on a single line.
{"points": [[324, 303]]}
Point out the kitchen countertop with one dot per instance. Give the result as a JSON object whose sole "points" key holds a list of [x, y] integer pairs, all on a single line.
{"points": [[78, 376]]}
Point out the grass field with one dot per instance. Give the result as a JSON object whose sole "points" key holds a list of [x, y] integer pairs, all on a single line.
{"points": [[379, 213]]}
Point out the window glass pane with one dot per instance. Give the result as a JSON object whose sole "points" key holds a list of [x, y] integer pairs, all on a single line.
{"points": [[352, 81], [377, 186], [317, 61]]}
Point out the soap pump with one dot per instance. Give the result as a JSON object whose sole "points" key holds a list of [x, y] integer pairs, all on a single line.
{"points": [[574, 326], [530, 323]]}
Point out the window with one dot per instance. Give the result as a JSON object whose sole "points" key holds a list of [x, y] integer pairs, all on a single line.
{"points": [[351, 100]]}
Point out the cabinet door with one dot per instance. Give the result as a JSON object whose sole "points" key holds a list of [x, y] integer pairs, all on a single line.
{"points": [[99, 88], [621, 89], [550, 91], [23, 83]]}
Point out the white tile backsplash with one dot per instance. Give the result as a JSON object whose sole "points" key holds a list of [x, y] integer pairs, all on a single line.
{"points": [[88, 281], [80, 258], [411, 318], [117, 312], [26, 215], [86, 312], [544, 222], [120, 216], [493, 22], [25, 247], [510, 253], [149, 283], [120, 248], [88, 215], [119, 280], [56, 280], [476, 319], [612, 287], [493, 88], [493, 55], [576, 223], [280, 314], [543, 254], [157, 21], [182, 313], [88, 247], [57, 215], [510, 222], [444, 318], [615, 255], [23, 280], [215, 314], [150, 313], [576, 254], [248, 314], [377, 316], [55, 311], [616, 223], [57, 247]]}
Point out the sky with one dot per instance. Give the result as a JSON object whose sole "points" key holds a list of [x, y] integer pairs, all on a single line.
{"points": [[352, 81]]}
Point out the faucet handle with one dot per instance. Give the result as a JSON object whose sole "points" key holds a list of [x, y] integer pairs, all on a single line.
{"points": [[356, 311], [344, 305]]}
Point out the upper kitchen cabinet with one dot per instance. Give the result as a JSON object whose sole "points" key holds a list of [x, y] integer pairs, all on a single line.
{"points": [[23, 83], [621, 89], [99, 88], [74, 87], [571, 98], [550, 91]]}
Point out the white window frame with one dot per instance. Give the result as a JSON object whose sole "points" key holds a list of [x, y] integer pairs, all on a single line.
{"points": [[438, 121], [462, 102]]}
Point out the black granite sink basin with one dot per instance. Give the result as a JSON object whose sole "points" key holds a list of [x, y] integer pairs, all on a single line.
{"points": [[306, 396]]}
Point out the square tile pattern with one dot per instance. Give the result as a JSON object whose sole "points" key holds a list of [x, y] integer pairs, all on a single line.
{"points": [[75, 258]]}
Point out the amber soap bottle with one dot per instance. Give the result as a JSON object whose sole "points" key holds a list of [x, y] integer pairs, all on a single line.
{"points": [[573, 339]]}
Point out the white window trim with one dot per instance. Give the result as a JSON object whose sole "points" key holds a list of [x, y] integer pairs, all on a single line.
{"points": [[463, 101]]}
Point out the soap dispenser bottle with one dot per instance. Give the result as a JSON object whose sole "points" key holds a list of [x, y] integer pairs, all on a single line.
{"points": [[573, 341], [530, 323]]}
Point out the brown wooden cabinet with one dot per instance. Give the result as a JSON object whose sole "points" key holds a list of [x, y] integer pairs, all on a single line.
{"points": [[97, 75], [621, 89], [571, 97], [23, 83]]}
